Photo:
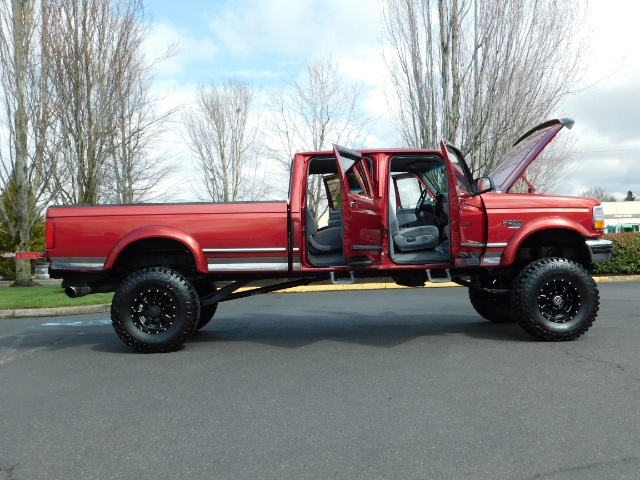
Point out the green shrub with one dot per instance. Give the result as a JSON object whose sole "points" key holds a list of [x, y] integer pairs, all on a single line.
{"points": [[7, 245], [626, 255]]}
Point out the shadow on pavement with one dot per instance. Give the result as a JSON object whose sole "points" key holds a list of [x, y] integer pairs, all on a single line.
{"points": [[363, 330], [379, 331]]}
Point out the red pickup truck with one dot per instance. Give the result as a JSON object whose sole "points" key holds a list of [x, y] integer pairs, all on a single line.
{"points": [[412, 215]]}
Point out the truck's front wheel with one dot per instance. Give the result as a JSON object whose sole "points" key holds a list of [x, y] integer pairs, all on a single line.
{"points": [[555, 299], [155, 310]]}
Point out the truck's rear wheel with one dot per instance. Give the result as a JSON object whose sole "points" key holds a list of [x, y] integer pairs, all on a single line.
{"points": [[206, 313], [495, 307], [555, 299], [155, 310]]}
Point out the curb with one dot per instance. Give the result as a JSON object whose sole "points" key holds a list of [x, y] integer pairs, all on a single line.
{"points": [[54, 312], [103, 308], [357, 286], [616, 278]]}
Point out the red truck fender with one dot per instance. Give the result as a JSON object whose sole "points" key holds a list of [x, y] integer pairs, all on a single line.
{"points": [[537, 225], [159, 231]]}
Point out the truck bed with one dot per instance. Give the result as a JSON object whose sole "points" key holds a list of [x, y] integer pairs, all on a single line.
{"points": [[228, 236]]}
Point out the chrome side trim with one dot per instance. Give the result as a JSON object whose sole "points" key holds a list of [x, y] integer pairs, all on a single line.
{"points": [[492, 260], [242, 267], [79, 263], [473, 244], [245, 250], [496, 245], [248, 264]]}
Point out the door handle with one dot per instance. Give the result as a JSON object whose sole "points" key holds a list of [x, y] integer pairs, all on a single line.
{"points": [[353, 204]]}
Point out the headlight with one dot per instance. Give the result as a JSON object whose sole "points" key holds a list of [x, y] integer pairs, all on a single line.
{"points": [[598, 218]]}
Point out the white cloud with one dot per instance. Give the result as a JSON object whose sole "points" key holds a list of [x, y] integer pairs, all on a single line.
{"points": [[611, 110], [253, 74], [608, 141], [304, 28], [612, 35], [188, 49], [601, 162]]}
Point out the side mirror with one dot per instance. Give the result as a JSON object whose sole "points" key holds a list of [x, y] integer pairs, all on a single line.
{"points": [[483, 184]]}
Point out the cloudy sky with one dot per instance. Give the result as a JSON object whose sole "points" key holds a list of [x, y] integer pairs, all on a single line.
{"points": [[264, 41]]}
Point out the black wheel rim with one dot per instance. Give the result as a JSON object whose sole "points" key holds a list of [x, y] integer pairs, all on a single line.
{"points": [[559, 301], [154, 311]]}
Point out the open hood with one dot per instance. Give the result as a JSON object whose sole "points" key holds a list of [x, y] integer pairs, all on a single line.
{"points": [[525, 151]]}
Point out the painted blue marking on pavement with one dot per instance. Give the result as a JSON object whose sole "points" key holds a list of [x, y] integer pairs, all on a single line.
{"points": [[75, 323]]}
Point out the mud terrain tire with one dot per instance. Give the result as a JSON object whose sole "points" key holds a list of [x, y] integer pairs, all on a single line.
{"points": [[555, 299], [155, 310]]}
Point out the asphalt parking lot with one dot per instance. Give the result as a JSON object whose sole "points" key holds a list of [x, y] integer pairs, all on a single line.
{"points": [[396, 384]]}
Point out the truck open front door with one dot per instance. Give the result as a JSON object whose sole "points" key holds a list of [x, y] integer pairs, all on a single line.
{"points": [[454, 203], [361, 215]]}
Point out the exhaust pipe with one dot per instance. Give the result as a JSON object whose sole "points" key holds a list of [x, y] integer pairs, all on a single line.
{"points": [[75, 292]]}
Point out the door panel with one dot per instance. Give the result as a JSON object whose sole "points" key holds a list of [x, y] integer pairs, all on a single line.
{"points": [[361, 215], [454, 203]]}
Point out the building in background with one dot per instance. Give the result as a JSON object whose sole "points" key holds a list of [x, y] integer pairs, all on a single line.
{"points": [[622, 217]]}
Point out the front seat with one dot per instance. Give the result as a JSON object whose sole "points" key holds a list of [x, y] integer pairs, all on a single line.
{"points": [[325, 240], [412, 238], [416, 238]]}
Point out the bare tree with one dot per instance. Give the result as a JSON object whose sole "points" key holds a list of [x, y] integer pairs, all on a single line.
{"points": [[82, 39], [599, 193], [105, 117], [312, 112], [221, 131], [478, 73], [136, 166], [137, 169], [25, 121], [76, 109]]}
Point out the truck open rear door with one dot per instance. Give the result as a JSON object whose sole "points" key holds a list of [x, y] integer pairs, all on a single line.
{"points": [[361, 215]]}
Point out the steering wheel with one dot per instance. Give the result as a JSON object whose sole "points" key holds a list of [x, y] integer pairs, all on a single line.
{"points": [[439, 207], [421, 200]]}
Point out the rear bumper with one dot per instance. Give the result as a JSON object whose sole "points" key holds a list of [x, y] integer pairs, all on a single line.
{"points": [[600, 250]]}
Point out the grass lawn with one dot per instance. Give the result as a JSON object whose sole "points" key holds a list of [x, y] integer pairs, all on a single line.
{"points": [[46, 296]]}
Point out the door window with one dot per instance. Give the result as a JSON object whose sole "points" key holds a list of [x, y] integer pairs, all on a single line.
{"points": [[356, 174], [409, 190]]}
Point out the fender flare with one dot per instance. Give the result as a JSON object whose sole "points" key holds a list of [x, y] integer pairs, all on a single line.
{"points": [[158, 231], [538, 225]]}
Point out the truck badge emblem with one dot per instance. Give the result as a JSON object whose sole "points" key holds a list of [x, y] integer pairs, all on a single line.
{"points": [[512, 223]]}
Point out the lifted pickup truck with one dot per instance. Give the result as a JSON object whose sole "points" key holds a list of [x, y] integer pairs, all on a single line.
{"points": [[413, 215]]}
